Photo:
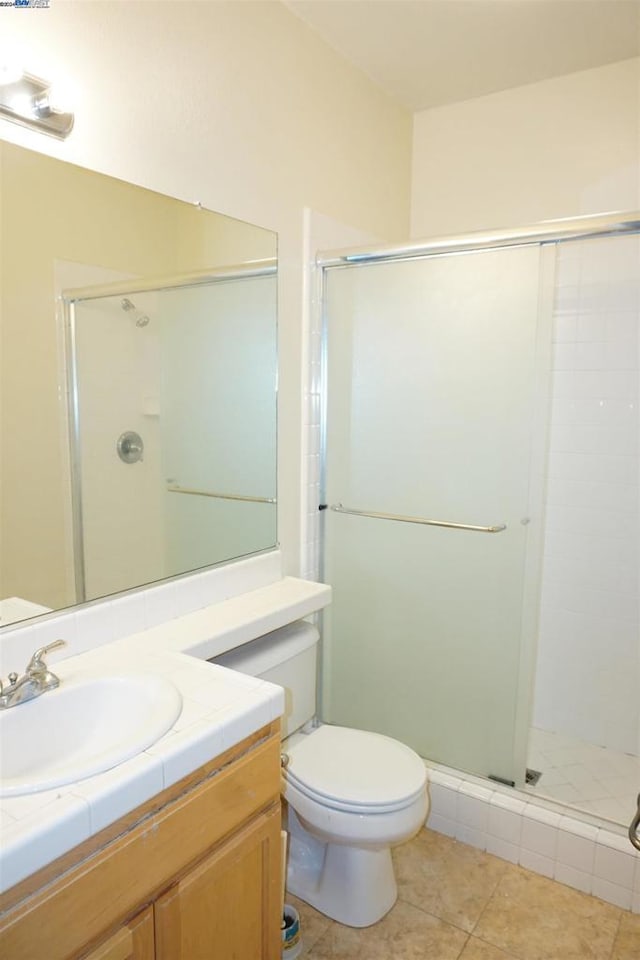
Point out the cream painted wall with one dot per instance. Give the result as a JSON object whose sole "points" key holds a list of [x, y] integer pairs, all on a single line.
{"points": [[558, 148], [240, 106]]}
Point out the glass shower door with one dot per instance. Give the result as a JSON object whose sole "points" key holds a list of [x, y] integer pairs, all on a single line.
{"points": [[433, 378]]}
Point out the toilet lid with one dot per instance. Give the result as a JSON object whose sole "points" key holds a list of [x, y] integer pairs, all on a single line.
{"points": [[355, 768]]}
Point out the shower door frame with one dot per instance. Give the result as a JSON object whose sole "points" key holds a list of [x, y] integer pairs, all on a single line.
{"points": [[67, 301], [546, 234]]}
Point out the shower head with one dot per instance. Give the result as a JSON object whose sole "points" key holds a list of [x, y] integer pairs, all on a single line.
{"points": [[129, 307]]}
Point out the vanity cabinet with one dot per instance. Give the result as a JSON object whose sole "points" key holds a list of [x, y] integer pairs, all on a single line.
{"points": [[192, 875]]}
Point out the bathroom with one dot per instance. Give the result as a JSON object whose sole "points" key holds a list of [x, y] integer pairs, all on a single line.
{"points": [[287, 155]]}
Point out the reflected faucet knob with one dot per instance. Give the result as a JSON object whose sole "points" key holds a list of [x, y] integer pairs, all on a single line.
{"points": [[13, 677]]}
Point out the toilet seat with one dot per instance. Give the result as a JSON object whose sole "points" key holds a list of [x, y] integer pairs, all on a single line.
{"points": [[355, 771]]}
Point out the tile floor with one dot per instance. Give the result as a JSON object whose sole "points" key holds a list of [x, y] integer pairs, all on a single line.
{"points": [[590, 778], [458, 903]]}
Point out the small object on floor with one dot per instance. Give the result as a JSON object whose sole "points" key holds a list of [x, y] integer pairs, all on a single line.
{"points": [[532, 776], [291, 937]]}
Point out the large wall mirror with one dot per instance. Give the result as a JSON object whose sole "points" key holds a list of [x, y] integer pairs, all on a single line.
{"points": [[137, 386]]}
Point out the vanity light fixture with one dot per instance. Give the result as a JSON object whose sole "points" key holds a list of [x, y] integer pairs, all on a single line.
{"points": [[26, 100]]}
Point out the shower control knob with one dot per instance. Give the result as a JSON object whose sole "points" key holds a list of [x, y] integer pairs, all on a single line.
{"points": [[130, 447]]}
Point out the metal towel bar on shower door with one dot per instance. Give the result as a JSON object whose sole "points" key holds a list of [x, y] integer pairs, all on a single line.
{"points": [[176, 488], [339, 508]]}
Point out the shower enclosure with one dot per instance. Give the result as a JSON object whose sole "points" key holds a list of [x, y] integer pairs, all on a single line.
{"points": [[480, 504]]}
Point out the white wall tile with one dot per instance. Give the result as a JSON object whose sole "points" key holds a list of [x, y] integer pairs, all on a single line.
{"points": [[473, 815], [537, 863], [615, 865], [443, 825], [470, 836], [159, 604], [128, 615], [573, 878], [444, 801], [612, 893], [592, 486], [539, 838], [576, 845], [503, 849], [505, 824]]}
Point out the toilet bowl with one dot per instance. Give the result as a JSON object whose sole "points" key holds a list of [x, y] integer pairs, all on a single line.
{"points": [[350, 794]]}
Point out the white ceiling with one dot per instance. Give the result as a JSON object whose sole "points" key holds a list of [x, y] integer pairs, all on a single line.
{"points": [[426, 53]]}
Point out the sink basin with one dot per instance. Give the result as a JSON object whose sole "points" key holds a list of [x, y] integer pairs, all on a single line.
{"points": [[85, 726]]}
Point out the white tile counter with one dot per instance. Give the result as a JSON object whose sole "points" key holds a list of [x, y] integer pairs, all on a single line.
{"points": [[219, 709]]}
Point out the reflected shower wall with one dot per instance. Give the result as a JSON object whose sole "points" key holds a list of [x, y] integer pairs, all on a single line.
{"points": [[174, 426]]}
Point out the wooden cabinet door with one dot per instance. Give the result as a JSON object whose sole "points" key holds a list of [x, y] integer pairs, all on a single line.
{"points": [[228, 906], [133, 941]]}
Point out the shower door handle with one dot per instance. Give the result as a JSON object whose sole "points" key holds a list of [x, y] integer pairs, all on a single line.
{"points": [[633, 828]]}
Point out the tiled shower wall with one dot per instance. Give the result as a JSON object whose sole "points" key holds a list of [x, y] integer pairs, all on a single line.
{"points": [[320, 233], [588, 671]]}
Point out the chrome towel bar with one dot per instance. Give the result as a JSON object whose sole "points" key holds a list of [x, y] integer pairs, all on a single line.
{"points": [[174, 488], [339, 508]]}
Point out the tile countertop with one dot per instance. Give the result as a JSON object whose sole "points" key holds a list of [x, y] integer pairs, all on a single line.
{"points": [[220, 708]]}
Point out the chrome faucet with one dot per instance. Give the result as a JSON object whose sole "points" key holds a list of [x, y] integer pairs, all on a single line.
{"points": [[37, 679]]}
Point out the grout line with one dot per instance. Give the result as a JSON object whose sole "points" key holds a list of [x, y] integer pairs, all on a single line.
{"points": [[464, 945], [615, 936]]}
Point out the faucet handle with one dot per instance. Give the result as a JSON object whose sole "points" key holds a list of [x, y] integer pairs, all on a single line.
{"points": [[37, 660]]}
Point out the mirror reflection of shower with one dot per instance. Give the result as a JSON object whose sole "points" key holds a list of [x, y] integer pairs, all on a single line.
{"points": [[196, 390]]}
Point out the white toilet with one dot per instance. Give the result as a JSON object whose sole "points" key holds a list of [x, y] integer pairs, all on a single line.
{"points": [[351, 794]]}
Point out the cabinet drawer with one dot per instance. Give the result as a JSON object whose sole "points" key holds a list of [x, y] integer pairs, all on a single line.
{"points": [[133, 941]]}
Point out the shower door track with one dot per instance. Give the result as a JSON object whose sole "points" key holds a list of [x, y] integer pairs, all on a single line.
{"points": [[549, 231]]}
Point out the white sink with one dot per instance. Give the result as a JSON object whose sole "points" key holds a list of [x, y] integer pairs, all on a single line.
{"points": [[83, 727]]}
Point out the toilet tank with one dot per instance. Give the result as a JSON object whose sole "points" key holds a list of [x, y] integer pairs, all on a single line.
{"points": [[288, 657]]}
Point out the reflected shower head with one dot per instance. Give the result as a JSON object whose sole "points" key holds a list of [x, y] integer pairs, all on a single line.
{"points": [[128, 306]]}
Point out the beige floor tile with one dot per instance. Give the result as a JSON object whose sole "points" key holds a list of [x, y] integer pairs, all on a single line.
{"points": [[448, 879], [406, 933], [534, 918], [479, 950], [627, 943]]}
